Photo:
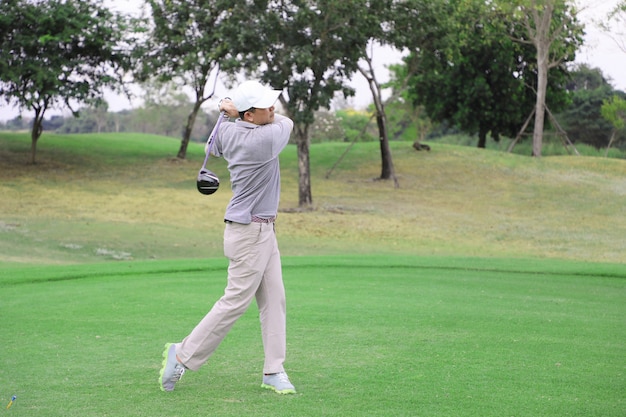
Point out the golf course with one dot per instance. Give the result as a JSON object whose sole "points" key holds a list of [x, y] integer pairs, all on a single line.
{"points": [[486, 284]]}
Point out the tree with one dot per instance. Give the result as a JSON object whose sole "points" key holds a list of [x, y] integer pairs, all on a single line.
{"points": [[552, 28], [368, 73], [165, 105], [308, 48], [403, 25], [55, 122], [327, 127], [474, 76], [356, 125], [582, 119], [17, 123], [58, 53], [189, 42], [614, 110], [101, 116]]}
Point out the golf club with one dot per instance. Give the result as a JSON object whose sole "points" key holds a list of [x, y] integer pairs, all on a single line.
{"points": [[207, 181]]}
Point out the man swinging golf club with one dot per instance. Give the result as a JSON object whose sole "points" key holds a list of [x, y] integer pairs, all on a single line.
{"points": [[251, 146]]}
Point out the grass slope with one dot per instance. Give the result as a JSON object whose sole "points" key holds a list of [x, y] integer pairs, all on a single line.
{"points": [[375, 336], [107, 197], [487, 285]]}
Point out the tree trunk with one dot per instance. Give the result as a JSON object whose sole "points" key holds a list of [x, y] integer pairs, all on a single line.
{"points": [[387, 171], [35, 133], [542, 84], [482, 138], [610, 142], [191, 120], [305, 198], [541, 38]]}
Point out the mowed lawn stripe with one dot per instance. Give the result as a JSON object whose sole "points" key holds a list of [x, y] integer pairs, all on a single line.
{"points": [[379, 336]]}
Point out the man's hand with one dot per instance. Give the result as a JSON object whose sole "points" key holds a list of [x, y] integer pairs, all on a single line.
{"points": [[228, 107]]}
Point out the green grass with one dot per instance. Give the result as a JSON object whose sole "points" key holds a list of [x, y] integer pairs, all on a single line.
{"points": [[488, 284], [376, 336], [108, 197], [552, 146]]}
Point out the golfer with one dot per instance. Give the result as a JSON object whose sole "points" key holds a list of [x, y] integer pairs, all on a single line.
{"points": [[251, 146]]}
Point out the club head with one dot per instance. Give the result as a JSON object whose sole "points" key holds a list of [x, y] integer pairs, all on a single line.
{"points": [[207, 182]]}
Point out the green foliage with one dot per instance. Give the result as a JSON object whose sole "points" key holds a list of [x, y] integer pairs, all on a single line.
{"points": [[582, 120], [475, 76], [403, 123], [17, 124], [187, 40], [56, 53], [310, 48], [413, 24], [91, 120], [614, 111], [165, 118], [189, 43], [357, 125], [406, 122], [327, 127], [551, 26]]}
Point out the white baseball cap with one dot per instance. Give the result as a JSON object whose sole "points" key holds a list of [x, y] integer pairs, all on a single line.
{"points": [[253, 94]]}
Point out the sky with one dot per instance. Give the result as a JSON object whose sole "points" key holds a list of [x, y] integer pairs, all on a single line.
{"points": [[599, 50]]}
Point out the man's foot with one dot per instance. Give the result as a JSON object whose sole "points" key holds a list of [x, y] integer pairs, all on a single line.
{"points": [[172, 370], [279, 383]]}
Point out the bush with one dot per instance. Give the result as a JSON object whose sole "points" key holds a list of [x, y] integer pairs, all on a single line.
{"points": [[353, 123], [327, 128]]}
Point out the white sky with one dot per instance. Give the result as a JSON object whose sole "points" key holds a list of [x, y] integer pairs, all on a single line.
{"points": [[598, 51]]}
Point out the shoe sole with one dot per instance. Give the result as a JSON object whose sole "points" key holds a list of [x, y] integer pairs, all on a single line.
{"points": [[164, 363], [283, 392]]}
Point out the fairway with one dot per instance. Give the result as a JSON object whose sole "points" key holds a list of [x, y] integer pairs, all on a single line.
{"points": [[367, 336], [488, 284]]}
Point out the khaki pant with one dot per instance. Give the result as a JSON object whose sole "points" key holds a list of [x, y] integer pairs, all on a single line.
{"points": [[254, 271]]}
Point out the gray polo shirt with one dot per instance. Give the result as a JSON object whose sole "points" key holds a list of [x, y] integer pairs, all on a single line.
{"points": [[251, 152]]}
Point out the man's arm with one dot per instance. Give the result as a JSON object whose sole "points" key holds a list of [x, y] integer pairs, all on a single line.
{"points": [[281, 132]]}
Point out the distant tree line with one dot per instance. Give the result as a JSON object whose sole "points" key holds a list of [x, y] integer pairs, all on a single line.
{"points": [[164, 121], [586, 90]]}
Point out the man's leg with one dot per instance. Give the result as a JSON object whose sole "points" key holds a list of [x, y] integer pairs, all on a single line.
{"points": [[272, 308], [243, 248], [270, 298]]}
